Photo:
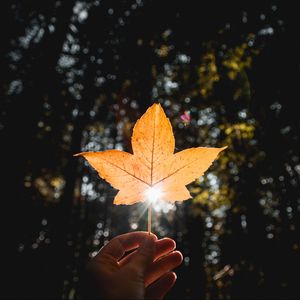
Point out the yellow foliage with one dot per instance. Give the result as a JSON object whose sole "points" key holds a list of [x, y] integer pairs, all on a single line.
{"points": [[163, 51], [208, 74], [50, 187], [239, 130], [238, 60], [215, 198]]}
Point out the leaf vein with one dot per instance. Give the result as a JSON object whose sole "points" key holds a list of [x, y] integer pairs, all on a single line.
{"points": [[133, 175], [179, 169]]}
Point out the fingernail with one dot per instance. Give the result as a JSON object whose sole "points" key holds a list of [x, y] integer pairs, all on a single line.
{"points": [[153, 235], [175, 275]]}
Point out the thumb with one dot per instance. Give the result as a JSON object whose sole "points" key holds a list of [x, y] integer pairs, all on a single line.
{"points": [[145, 254]]}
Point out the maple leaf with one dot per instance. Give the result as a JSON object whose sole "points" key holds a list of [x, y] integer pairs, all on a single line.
{"points": [[153, 163]]}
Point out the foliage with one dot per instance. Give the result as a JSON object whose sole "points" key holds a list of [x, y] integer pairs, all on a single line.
{"points": [[76, 77]]}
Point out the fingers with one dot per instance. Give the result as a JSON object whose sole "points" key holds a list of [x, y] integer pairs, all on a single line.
{"points": [[143, 257], [162, 266], [162, 247], [124, 242], [158, 289]]}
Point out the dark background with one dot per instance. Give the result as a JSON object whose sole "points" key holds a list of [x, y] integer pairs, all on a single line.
{"points": [[76, 75]]}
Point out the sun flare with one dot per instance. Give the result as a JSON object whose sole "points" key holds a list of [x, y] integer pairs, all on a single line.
{"points": [[153, 194]]}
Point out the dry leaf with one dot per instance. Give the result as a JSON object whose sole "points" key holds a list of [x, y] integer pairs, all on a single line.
{"points": [[153, 164]]}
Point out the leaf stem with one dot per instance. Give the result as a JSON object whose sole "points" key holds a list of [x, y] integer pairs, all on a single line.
{"points": [[149, 219]]}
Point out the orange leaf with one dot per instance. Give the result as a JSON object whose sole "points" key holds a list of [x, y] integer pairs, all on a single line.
{"points": [[153, 164]]}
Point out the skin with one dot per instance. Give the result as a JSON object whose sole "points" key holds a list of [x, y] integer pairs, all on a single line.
{"points": [[144, 273]]}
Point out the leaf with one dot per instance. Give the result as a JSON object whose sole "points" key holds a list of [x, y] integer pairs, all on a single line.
{"points": [[185, 117], [153, 164]]}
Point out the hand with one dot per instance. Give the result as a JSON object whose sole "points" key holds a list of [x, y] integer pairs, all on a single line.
{"points": [[145, 273]]}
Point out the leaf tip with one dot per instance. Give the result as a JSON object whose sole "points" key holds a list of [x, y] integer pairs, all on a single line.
{"points": [[156, 106], [84, 154]]}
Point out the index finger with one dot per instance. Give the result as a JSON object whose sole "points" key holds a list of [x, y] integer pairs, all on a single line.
{"points": [[162, 247], [124, 242]]}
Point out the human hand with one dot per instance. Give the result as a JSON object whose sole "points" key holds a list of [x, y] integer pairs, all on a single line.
{"points": [[142, 274]]}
